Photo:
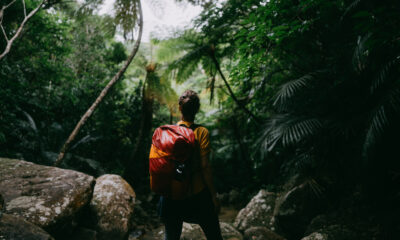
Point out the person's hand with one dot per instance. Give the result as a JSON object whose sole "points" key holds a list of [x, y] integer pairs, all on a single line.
{"points": [[217, 205]]}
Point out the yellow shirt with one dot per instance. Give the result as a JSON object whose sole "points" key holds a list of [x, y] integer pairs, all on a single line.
{"points": [[202, 136]]}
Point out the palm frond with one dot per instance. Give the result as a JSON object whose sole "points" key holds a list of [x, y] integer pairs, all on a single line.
{"points": [[170, 49], [288, 129], [376, 127], [394, 99], [31, 122], [289, 89], [184, 67], [126, 16], [383, 74], [350, 8], [382, 117], [85, 139], [361, 53], [315, 187]]}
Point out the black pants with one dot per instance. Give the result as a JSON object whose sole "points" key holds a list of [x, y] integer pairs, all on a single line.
{"points": [[197, 209]]}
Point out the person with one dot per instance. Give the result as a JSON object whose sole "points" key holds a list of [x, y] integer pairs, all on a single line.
{"points": [[201, 206]]}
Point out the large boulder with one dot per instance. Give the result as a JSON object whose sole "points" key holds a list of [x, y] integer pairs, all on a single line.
{"points": [[112, 204], [336, 232], [48, 197], [261, 233], [258, 212], [194, 232], [16, 228], [294, 210], [316, 236]]}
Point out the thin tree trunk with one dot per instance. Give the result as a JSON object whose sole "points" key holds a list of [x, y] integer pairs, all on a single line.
{"points": [[103, 93], [245, 162], [231, 92], [19, 30], [134, 172]]}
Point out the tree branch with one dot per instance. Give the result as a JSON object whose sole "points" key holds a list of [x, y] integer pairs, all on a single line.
{"points": [[214, 59], [103, 92], [19, 30], [23, 3], [4, 32]]}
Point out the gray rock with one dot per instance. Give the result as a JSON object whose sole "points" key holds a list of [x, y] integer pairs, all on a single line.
{"points": [[261, 233], [1, 205], [48, 197], [294, 211], [194, 232], [84, 234], [317, 223], [336, 232], [16, 228], [258, 212], [234, 196], [316, 236], [112, 203]]}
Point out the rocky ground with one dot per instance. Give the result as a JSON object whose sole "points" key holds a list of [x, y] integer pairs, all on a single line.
{"points": [[43, 203], [227, 215]]}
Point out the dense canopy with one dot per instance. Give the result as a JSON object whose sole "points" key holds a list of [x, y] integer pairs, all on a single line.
{"points": [[287, 87]]}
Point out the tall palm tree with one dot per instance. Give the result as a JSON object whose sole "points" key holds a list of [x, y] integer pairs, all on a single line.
{"points": [[154, 89], [192, 49]]}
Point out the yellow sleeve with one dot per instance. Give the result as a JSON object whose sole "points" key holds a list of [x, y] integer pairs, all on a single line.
{"points": [[204, 140]]}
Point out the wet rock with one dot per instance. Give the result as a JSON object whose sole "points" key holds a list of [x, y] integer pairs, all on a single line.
{"points": [[223, 198], [317, 223], [294, 211], [16, 228], [1, 205], [194, 232], [84, 234], [261, 233], [316, 236], [234, 196], [112, 204], [336, 232], [258, 212], [48, 197]]}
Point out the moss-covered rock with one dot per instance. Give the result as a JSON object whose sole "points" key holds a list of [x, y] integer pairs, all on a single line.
{"points": [[48, 197], [258, 212], [16, 228], [112, 204]]}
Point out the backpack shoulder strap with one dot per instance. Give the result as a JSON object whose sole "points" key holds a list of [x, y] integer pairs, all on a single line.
{"points": [[193, 126]]}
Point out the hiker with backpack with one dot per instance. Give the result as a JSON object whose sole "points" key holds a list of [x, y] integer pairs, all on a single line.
{"points": [[181, 173]]}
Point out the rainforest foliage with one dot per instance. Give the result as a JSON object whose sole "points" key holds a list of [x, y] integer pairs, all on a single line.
{"points": [[288, 87]]}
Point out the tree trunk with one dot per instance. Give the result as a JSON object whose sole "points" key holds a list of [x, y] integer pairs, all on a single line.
{"points": [[230, 90], [133, 172], [104, 92], [245, 163]]}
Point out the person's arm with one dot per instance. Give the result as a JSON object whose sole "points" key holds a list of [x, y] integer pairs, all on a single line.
{"points": [[206, 168], [207, 175]]}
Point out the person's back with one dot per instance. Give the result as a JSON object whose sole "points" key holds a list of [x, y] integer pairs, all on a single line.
{"points": [[201, 205]]}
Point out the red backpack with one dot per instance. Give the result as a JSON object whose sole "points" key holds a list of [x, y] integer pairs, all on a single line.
{"points": [[169, 161]]}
